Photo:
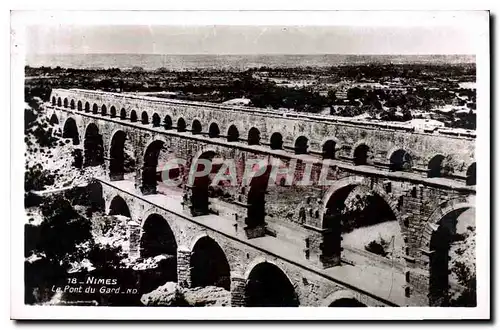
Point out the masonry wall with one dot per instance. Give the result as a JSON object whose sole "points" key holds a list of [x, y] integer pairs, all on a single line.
{"points": [[382, 141], [413, 202]]}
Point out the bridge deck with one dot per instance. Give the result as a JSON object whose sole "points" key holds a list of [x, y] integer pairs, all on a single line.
{"points": [[381, 282]]}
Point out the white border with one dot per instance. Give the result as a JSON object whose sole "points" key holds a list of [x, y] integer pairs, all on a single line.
{"points": [[477, 21]]}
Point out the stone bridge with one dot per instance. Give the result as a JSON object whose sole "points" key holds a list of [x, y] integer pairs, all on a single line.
{"points": [[275, 244]]}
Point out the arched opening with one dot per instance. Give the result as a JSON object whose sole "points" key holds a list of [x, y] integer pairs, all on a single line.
{"points": [[361, 154], [268, 286], [213, 130], [453, 239], [95, 108], [144, 118], [59, 102], [181, 125], [53, 120], [471, 175], [435, 167], [65, 103], [301, 145], [400, 160], [196, 127], [70, 131], [112, 111], [133, 116], [93, 146], [346, 302], [200, 186], [232, 134], [117, 155], [158, 239], [359, 218], [276, 141], [156, 120], [79, 105], [95, 197], [118, 206], [149, 178], [87, 107], [257, 199], [167, 122], [72, 104], [329, 149], [123, 113], [104, 110], [209, 266], [253, 136], [53, 100]]}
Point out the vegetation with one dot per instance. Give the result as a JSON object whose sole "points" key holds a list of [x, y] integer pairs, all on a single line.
{"points": [[399, 89]]}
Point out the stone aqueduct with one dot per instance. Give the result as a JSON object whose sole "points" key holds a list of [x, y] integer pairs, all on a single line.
{"points": [[256, 239]]}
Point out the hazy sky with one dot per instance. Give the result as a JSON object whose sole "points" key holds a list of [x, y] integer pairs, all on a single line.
{"points": [[66, 39]]}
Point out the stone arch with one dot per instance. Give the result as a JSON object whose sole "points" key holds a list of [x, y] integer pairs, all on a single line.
{"points": [[233, 134], [213, 130], [400, 160], [79, 105], [456, 204], [156, 227], [301, 145], [196, 127], [471, 175], [342, 298], [117, 155], [256, 198], [267, 285], [276, 141], [253, 136], [437, 236], [361, 153], [95, 108], [150, 164], [144, 118], [336, 221], [104, 110], [112, 111], [123, 113], [87, 107], [59, 102], [95, 196], [329, 149], [65, 102], [209, 264], [167, 122], [156, 120], [199, 197], [435, 167], [181, 125], [70, 131], [158, 239], [118, 206], [133, 116], [360, 181], [72, 104], [93, 146], [54, 100], [53, 119]]}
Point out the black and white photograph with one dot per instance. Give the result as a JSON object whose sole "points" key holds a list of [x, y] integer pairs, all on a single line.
{"points": [[202, 163]]}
